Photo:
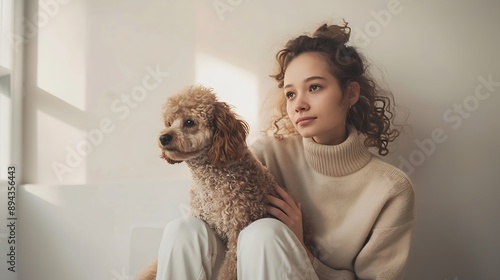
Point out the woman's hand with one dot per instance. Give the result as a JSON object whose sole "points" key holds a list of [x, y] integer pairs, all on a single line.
{"points": [[289, 212]]}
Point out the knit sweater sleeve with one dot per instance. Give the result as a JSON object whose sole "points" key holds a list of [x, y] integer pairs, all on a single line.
{"points": [[386, 251]]}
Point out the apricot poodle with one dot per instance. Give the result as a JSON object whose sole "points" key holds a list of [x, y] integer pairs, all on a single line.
{"points": [[230, 184]]}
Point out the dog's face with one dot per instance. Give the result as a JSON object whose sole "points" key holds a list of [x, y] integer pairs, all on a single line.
{"points": [[196, 123], [188, 131]]}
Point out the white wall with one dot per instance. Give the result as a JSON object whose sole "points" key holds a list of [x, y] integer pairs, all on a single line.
{"points": [[87, 55]]}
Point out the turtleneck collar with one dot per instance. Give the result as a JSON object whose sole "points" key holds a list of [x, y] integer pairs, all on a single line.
{"points": [[337, 160]]}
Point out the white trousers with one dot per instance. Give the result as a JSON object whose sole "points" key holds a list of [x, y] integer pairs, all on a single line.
{"points": [[267, 249]]}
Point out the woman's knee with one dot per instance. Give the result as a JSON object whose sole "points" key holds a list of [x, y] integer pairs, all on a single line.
{"points": [[184, 228], [262, 232], [189, 246]]}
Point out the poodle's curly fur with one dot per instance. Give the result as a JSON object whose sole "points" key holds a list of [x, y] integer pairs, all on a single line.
{"points": [[230, 184]]}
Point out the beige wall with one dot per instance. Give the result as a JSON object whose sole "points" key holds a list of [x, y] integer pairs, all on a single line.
{"points": [[97, 73]]}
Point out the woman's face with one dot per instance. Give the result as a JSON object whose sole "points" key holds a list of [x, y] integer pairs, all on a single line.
{"points": [[315, 103]]}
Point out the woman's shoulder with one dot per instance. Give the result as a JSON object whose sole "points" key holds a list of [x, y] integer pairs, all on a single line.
{"points": [[397, 179], [273, 144], [267, 147]]}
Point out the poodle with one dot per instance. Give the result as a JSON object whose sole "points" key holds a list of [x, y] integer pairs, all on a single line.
{"points": [[230, 184]]}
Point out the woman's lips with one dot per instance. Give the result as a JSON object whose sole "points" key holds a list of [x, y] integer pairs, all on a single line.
{"points": [[304, 120]]}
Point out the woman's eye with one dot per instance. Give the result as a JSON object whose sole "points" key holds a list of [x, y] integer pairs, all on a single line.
{"points": [[189, 123], [314, 87], [289, 95]]}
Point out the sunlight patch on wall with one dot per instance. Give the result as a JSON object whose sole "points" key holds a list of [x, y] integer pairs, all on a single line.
{"points": [[62, 151], [233, 85], [62, 48]]}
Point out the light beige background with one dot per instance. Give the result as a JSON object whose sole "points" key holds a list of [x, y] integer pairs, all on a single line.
{"points": [[92, 105]]}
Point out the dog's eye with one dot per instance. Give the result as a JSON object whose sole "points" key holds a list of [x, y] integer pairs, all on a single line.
{"points": [[168, 124], [189, 123]]}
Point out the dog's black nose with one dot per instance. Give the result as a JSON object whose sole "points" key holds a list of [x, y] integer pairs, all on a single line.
{"points": [[165, 139]]}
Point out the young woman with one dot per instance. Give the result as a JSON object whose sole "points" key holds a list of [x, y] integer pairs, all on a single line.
{"points": [[360, 209]]}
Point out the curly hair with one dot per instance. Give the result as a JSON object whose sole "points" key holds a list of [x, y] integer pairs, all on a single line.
{"points": [[372, 114]]}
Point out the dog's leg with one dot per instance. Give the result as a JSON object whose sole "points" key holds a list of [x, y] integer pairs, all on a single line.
{"points": [[150, 272], [228, 268]]}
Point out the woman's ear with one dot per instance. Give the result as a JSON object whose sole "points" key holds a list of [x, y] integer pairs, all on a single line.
{"points": [[352, 93]]}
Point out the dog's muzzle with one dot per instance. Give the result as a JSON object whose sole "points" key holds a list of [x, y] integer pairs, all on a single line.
{"points": [[165, 139]]}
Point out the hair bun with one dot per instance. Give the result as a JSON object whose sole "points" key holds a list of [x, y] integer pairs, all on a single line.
{"points": [[337, 33]]}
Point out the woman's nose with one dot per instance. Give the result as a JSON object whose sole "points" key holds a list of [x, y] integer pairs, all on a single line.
{"points": [[301, 104]]}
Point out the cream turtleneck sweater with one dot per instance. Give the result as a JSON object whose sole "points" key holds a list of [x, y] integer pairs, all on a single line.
{"points": [[360, 208]]}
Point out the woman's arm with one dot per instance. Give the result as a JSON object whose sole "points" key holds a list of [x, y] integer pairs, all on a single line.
{"points": [[286, 210], [386, 251]]}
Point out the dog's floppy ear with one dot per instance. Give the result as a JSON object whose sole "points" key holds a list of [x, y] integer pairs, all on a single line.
{"points": [[230, 133]]}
